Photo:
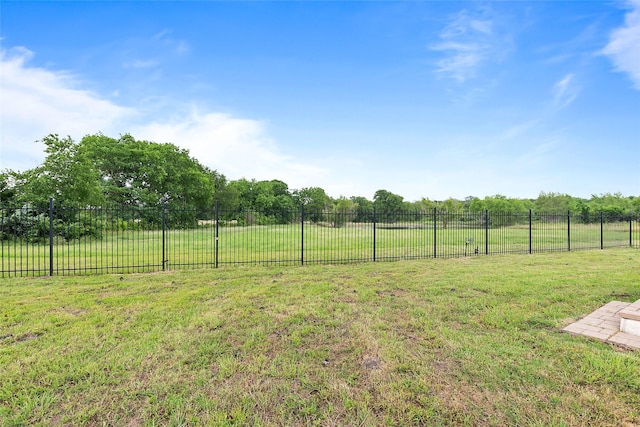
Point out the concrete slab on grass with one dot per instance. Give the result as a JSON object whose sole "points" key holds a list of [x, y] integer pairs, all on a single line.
{"points": [[604, 324]]}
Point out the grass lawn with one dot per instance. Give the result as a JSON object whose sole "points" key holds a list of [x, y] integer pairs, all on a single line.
{"points": [[468, 341]]}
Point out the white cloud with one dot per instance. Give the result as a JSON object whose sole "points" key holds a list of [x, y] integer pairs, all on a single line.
{"points": [[466, 43], [235, 147], [36, 102], [565, 91], [624, 44]]}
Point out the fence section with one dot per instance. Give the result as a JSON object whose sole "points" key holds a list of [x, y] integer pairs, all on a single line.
{"points": [[57, 240]]}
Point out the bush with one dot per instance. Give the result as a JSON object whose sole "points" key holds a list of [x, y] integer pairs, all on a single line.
{"points": [[33, 225]]}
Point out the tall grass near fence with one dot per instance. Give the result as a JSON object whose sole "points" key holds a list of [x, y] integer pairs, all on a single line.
{"points": [[60, 241]]}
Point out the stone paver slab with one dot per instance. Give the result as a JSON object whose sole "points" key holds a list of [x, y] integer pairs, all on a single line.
{"points": [[625, 339], [631, 312], [604, 324]]}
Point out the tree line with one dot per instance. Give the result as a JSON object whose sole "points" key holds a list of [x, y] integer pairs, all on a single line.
{"points": [[100, 170]]}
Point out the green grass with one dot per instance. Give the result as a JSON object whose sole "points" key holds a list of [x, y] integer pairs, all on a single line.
{"points": [[468, 341], [142, 250]]}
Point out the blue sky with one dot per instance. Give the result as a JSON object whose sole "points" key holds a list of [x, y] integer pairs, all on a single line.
{"points": [[424, 99]]}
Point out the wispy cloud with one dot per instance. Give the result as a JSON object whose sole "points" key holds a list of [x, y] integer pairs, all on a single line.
{"points": [[518, 130], [624, 44], [466, 42], [141, 63], [565, 91], [177, 46]]}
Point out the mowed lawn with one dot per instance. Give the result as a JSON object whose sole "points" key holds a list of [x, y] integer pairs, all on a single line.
{"points": [[468, 341]]}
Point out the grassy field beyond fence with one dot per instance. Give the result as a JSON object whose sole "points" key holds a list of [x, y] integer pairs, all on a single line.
{"points": [[146, 250], [467, 341]]}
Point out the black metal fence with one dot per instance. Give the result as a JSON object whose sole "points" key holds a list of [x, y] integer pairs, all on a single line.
{"points": [[58, 240]]}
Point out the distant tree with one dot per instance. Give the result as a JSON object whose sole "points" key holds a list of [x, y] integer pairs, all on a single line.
{"points": [[468, 201], [244, 194], [477, 205], [553, 203], [363, 209], [274, 201], [315, 201], [614, 207], [583, 211], [419, 210], [227, 199], [447, 209], [635, 205], [388, 205], [266, 202], [343, 211], [424, 205], [504, 211]]}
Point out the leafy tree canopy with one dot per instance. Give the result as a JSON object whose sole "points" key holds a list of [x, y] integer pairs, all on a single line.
{"points": [[124, 171]]}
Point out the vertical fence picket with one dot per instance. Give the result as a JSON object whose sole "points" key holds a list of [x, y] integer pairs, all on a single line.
{"points": [[486, 232], [164, 258], [601, 231], [530, 231], [50, 236], [301, 234], [374, 234], [569, 231], [435, 226], [217, 232]]}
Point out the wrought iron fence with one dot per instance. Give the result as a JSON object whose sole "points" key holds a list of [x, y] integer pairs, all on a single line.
{"points": [[58, 240]]}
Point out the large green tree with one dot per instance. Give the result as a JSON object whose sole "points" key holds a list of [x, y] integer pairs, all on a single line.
{"points": [[67, 175], [388, 205], [263, 201], [315, 200], [144, 173]]}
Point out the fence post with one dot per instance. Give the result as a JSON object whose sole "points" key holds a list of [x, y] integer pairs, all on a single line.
{"points": [[302, 234], [216, 236], [530, 233], [486, 231], [601, 231], [435, 227], [164, 258], [50, 236], [569, 231], [630, 229], [374, 234]]}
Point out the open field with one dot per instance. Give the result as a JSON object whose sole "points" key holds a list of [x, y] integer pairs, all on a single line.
{"points": [[295, 244], [468, 341]]}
